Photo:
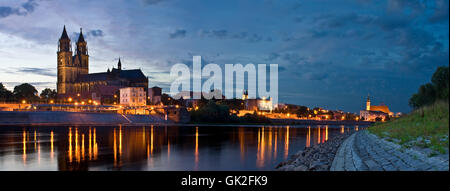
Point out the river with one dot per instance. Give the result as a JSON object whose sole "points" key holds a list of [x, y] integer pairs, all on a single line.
{"points": [[160, 148]]}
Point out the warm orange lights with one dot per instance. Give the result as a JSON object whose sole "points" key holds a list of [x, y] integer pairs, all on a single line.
{"points": [[90, 101], [51, 101], [24, 102], [70, 99], [82, 103]]}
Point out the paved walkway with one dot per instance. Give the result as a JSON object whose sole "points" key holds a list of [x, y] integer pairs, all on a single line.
{"points": [[363, 151]]}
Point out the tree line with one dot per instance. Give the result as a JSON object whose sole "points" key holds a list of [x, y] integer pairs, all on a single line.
{"points": [[431, 92], [26, 92]]}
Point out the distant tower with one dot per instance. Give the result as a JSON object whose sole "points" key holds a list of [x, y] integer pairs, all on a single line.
{"points": [[64, 56], [368, 103], [119, 65]]}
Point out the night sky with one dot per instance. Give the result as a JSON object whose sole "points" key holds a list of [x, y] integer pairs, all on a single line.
{"points": [[331, 54]]}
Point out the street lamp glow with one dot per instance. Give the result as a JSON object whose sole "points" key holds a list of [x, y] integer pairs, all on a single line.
{"points": [[24, 102], [70, 99]]}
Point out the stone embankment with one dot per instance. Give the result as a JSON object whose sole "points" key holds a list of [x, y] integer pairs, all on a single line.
{"points": [[74, 118], [316, 158], [363, 151]]}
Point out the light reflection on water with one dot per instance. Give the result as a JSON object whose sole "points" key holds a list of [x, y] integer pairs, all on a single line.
{"points": [[157, 147]]}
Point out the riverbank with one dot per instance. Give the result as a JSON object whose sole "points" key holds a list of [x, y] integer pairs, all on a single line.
{"points": [[50, 118], [53, 118], [364, 151], [316, 158]]}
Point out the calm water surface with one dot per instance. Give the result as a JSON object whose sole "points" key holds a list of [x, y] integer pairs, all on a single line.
{"points": [[157, 147]]}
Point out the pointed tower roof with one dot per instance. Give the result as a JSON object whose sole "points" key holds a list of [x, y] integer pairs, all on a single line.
{"points": [[64, 34], [119, 65], [81, 37]]}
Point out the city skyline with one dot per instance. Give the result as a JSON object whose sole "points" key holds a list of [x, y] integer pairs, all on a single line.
{"points": [[387, 49]]}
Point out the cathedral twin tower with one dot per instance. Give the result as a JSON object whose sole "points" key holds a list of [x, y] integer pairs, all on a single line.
{"points": [[70, 65]]}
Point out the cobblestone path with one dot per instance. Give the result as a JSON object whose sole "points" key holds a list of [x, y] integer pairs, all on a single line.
{"points": [[363, 151]]}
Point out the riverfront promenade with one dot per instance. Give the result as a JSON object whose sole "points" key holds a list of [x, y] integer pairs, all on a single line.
{"points": [[363, 151]]}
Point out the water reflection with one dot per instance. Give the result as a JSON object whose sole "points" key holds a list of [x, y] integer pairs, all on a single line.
{"points": [[159, 148]]}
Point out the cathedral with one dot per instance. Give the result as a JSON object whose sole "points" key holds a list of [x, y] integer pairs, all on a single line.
{"points": [[74, 80], [375, 112]]}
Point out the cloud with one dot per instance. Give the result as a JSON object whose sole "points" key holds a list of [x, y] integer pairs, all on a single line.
{"points": [[441, 12], [152, 2], [38, 71], [214, 33], [179, 33], [224, 34], [95, 33], [24, 9]]}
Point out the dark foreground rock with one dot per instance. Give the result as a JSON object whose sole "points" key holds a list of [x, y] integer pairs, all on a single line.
{"points": [[316, 158]]}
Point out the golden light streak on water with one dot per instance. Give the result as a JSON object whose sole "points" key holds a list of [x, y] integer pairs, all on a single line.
{"points": [[308, 137], [286, 143], [151, 141], [70, 144], [276, 144], [241, 142], [270, 144], [90, 144], [51, 145], [34, 139], [196, 148], [263, 147], [356, 128], [120, 143], [82, 147], [115, 148], [95, 144], [342, 129], [77, 150], [24, 154], [168, 148], [326, 133], [143, 136]]}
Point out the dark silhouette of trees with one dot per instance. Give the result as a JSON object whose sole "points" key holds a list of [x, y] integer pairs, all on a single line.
{"points": [[5, 94], [25, 92], [48, 94], [428, 93]]}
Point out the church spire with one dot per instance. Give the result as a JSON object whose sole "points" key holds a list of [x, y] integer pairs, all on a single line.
{"points": [[119, 65], [81, 37], [64, 34]]}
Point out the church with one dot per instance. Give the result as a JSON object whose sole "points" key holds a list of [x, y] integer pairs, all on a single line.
{"points": [[375, 112], [75, 82]]}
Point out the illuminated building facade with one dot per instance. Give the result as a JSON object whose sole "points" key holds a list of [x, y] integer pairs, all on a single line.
{"points": [[75, 81]]}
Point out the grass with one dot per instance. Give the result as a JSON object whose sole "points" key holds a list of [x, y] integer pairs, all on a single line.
{"points": [[426, 127]]}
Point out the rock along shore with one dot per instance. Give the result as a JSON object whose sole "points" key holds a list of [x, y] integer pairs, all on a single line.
{"points": [[316, 158]]}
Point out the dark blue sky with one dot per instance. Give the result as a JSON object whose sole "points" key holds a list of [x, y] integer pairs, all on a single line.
{"points": [[331, 53]]}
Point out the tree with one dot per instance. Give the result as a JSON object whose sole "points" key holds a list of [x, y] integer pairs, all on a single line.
{"points": [[438, 89], [5, 94], [25, 92], [48, 94], [440, 82]]}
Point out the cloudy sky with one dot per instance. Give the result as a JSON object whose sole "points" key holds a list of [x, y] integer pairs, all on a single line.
{"points": [[331, 54]]}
